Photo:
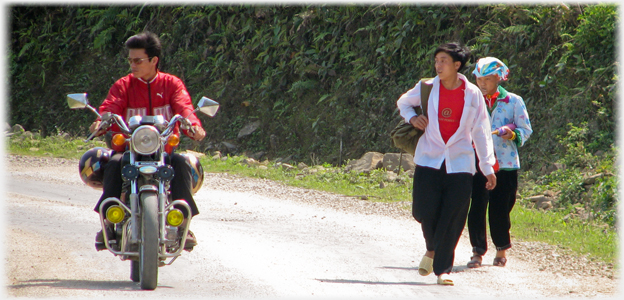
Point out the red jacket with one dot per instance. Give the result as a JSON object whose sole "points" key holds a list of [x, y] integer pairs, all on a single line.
{"points": [[165, 95]]}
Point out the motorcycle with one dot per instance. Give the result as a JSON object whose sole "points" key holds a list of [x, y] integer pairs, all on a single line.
{"points": [[147, 221]]}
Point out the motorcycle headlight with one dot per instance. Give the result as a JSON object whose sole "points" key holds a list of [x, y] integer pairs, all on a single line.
{"points": [[145, 140], [175, 217], [115, 214]]}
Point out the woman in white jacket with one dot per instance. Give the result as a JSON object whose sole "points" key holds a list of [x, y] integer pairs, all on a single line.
{"points": [[445, 157]]}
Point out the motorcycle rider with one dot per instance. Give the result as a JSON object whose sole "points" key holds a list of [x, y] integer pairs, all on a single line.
{"points": [[148, 91]]}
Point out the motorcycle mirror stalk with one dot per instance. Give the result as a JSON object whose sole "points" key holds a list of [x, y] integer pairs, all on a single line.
{"points": [[80, 101], [206, 106]]}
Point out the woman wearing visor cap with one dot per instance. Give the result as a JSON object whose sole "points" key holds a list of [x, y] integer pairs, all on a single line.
{"points": [[510, 130]]}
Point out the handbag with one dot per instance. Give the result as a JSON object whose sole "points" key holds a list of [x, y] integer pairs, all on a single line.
{"points": [[404, 135]]}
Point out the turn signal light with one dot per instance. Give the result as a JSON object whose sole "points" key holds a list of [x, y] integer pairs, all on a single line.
{"points": [[175, 217], [115, 214], [173, 140], [119, 139]]}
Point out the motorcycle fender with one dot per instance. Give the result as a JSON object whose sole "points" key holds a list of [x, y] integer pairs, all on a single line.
{"points": [[150, 188]]}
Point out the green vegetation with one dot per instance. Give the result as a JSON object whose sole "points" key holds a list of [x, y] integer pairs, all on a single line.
{"points": [[552, 227], [287, 66], [62, 146]]}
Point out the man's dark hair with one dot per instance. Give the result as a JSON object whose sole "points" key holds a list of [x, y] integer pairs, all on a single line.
{"points": [[456, 51], [148, 41]]}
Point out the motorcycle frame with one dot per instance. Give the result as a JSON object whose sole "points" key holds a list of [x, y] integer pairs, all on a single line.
{"points": [[135, 210]]}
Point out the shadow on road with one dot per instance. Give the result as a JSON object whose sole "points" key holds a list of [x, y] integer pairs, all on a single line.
{"points": [[79, 285], [456, 269], [378, 282], [372, 282], [400, 268]]}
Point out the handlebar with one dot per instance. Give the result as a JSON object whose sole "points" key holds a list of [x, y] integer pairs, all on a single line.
{"points": [[108, 119], [91, 136], [184, 124]]}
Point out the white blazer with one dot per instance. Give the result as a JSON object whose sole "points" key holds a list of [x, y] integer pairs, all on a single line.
{"points": [[458, 152]]}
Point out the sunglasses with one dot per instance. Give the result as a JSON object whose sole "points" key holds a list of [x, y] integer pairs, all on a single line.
{"points": [[137, 61]]}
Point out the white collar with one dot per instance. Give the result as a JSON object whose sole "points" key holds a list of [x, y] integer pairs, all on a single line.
{"points": [[144, 81]]}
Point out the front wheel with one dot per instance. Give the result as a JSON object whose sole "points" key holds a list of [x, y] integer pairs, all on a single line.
{"points": [[148, 259]]}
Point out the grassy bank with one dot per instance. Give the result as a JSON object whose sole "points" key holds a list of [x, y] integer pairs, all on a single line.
{"points": [[556, 227]]}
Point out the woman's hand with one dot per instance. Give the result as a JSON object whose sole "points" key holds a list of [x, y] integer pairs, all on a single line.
{"points": [[509, 134], [419, 122], [491, 182]]}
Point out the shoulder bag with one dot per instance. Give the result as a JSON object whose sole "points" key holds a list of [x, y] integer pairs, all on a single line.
{"points": [[404, 135]]}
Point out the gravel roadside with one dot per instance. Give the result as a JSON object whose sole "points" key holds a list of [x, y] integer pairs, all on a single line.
{"points": [[553, 259]]}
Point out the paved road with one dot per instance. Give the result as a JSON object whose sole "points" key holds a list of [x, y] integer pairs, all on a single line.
{"points": [[251, 245]]}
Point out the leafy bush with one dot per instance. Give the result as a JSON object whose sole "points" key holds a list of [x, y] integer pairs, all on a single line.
{"points": [[601, 197], [577, 154], [319, 76]]}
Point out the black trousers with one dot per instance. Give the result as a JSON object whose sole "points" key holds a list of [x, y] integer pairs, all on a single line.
{"points": [[441, 201], [181, 184], [501, 201]]}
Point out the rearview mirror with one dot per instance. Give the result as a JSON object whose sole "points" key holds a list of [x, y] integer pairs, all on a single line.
{"points": [[208, 106], [76, 101]]}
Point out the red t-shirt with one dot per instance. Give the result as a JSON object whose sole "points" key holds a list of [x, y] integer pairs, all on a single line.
{"points": [[450, 109]]}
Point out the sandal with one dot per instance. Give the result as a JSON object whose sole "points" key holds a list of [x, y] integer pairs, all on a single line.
{"points": [[426, 266], [475, 261], [500, 261], [445, 279]]}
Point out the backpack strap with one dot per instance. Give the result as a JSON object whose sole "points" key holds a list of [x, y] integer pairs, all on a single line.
{"points": [[426, 84]]}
